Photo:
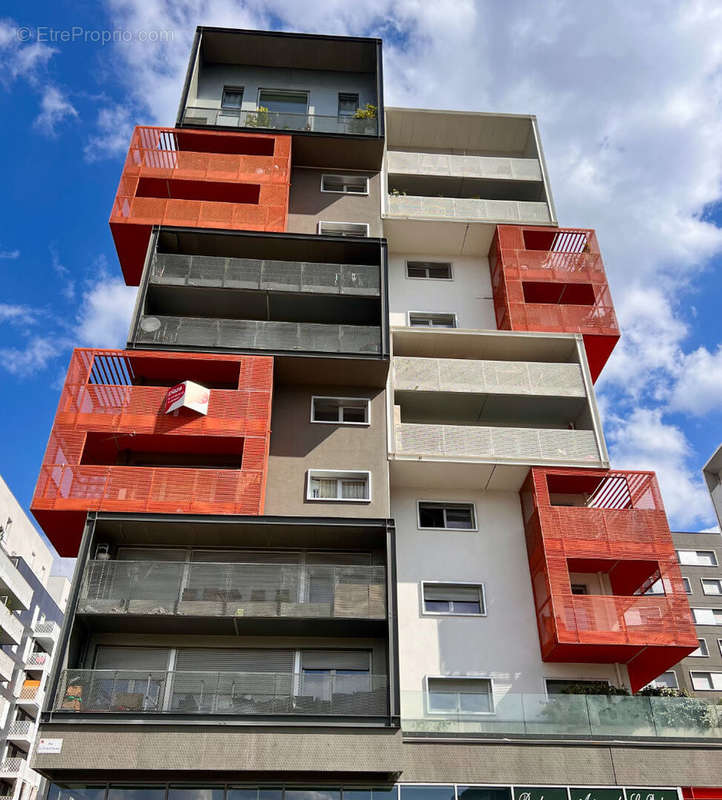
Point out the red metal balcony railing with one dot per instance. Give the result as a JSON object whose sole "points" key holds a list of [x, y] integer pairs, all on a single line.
{"points": [[553, 280], [201, 179], [113, 448], [611, 525]]}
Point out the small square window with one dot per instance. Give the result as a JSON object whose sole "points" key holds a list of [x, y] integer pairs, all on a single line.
{"points": [[454, 598], [345, 184], [687, 585], [706, 681], [348, 104], [418, 319], [447, 516], [337, 485], [459, 696], [354, 230], [340, 410], [711, 586], [697, 558], [232, 97], [580, 588], [701, 651], [667, 680], [430, 270]]}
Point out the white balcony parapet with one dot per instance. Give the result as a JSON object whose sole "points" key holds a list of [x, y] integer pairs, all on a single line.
{"points": [[13, 583], [492, 377], [37, 661], [47, 633], [7, 666], [468, 209], [12, 767], [11, 629], [22, 731], [448, 165], [517, 445]]}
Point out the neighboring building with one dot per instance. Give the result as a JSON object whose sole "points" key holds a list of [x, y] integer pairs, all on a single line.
{"points": [[31, 613], [343, 508], [700, 559], [712, 472]]}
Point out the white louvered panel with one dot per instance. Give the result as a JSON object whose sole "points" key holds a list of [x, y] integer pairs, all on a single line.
{"points": [[516, 443], [461, 375], [416, 374], [467, 441], [509, 377], [573, 445], [226, 659], [561, 380], [419, 438]]}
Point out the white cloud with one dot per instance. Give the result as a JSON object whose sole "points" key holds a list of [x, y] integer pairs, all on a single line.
{"points": [[35, 355], [698, 387], [10, 255], [17, 314], [54, 108], [643, 440], [19, 59], [105, 313], [113, 137]]}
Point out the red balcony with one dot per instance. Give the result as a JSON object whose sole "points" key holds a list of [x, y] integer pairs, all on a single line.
{"points": [[552, 279], [199, 179], [113, 448], [608, 532]]}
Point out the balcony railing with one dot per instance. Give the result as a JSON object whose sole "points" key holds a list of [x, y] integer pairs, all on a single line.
{"points": [[12, 582], [280, 276], [569, 716], [457, 208], [37, 661], [503, 377], [46, 631], [12, 767], [239, 693], [21, 729], [235, 589], [7, 666], [529, 445], [279, 121], [450, 165], [259, 335], [11, 629]]}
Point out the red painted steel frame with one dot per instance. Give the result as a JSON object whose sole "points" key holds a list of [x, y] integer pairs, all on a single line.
{"points": [[199, 179], [553, 280], [620, 530], [121, 394]]}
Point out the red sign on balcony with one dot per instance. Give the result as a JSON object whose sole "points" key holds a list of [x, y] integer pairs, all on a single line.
{"points": [[187, 395]]}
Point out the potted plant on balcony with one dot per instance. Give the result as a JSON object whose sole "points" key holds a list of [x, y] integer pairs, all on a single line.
{"points": [[260, 118], [359, 122], [676, 708]]}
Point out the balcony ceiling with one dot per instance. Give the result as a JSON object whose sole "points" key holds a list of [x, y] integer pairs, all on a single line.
{"points": [[439, 475]]}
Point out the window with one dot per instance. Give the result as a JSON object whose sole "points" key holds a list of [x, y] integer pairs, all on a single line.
{"points": [[345, 184], [347, 104], [459, 696], [281, 102], [232, 97], [701, 651], [697, 558], [707, 616], [719, 644], [656, 588], [444, 516], [357, 230], [435, 270], [667, 680], [327, 673], [418, 319], [562, 685], [454, 598], [711, 586], [580, 588], [706, 681], [341, 410], [687, 585], [339, 485]]}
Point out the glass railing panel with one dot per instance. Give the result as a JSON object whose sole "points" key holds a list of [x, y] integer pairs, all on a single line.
{"points": [[279, 120]]}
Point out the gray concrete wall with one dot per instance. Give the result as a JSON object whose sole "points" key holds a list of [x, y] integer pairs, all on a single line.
{"points": [[297, 445], [308, 204]]}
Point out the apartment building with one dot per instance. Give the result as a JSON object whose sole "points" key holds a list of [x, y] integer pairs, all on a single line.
{"points": [[31, 612], [712, 472], [343, 511]]}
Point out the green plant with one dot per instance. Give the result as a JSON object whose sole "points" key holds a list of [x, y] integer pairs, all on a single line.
{"points": [[605, 689], [261, 118], [675, 708], [366, 113], [397, 193], [359, 121]]}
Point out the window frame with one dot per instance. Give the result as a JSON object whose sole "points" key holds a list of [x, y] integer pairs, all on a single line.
{"points": [[344, 177], [667, 672], [339, 95], [261, 90], [707, 608], [473, 584], [340, 473], [408, 277], [322, 222], [451, 314], [700, 640], [366, 400], [687, 583], [547, 678], [711, 594], [427, 694], [475, 523], [709, 672], [685, 550], [236, 89]]}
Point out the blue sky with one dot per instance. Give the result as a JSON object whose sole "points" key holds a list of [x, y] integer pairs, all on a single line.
{"points": [[633, 143]]}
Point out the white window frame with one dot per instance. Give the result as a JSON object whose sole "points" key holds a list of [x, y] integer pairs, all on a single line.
{"points": [[453, 314], [339, 115], [666, 672], [706, 608], [322, 222], [711, 594], [305, 92], [428, 278], [475, 526], [427, 697], [237, 89], [710, 672], [338, 474], [685, 550], [340, 421], [344, 178], [701, 640], [475, 584], [570, 680], [687, 585]]}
